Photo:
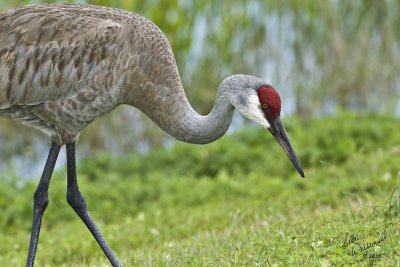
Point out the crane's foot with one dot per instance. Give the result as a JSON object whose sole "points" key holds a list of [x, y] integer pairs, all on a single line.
{"points": [[77, 202], [41, 200]]}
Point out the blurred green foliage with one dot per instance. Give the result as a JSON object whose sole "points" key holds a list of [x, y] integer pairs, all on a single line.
{"points": [[237, 201], [326, 140]]}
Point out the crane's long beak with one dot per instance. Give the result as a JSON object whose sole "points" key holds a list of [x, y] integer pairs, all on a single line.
{"points": [[279, 132]]}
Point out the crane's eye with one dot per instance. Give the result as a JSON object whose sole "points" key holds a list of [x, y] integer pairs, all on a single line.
{"points": [[265, 106]]}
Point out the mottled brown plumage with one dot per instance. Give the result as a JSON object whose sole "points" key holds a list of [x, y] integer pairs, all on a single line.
{"points": [[63, 66]]}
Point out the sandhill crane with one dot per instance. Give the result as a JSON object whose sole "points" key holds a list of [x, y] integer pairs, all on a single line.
{"points": [[63, 66]]}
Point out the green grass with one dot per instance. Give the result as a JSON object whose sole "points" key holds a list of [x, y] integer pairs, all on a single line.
{"points": [[237, 202]]}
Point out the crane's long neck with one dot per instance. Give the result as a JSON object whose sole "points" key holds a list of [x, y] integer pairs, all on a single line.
{"points": [[184, 123], [152, 84], [194, 128], [169, 108]]}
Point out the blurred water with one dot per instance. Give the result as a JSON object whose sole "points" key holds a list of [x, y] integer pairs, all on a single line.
{"points": [[29, 162]]}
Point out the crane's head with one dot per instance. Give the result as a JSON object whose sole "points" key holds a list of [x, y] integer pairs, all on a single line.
{"points": [[261, 103]]}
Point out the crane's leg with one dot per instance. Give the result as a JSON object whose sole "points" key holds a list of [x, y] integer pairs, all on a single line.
{"points": [[77, 202], [41, 200]]}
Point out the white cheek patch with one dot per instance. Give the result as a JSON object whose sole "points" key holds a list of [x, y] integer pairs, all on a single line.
{"points": [[253, 112]]}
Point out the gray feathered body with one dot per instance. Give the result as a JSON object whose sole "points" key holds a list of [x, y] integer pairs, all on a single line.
{"points": [[63, 66]]}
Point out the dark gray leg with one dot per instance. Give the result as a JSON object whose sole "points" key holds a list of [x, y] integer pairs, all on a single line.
{"points": [[41, 200], [77, 202]]}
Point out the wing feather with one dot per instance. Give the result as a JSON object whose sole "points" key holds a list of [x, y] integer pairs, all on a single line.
{"points": [[46, 50]]}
